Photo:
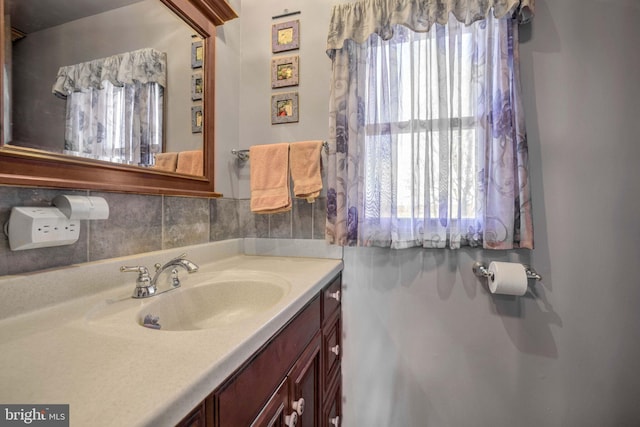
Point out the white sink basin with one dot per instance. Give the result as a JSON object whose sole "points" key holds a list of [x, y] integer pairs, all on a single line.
{"points": [[215, 303]]}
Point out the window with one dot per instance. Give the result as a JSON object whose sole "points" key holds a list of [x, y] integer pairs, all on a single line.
{"points": [[427, 124], [430, 147], [121, 124], [114, 107]]}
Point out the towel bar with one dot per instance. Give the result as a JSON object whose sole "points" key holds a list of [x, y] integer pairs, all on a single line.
{"points": [[243, 155], [481, 270]]}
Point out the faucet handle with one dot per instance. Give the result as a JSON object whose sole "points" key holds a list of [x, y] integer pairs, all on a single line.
{"points": [[159, 266], [143, 273], [144, 285], [135, 269], [179, 257], [175, 280]]}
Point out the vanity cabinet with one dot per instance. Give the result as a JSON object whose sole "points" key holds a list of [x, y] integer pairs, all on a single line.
{"points": [[332, 354], [297, 399], [293, 379]]}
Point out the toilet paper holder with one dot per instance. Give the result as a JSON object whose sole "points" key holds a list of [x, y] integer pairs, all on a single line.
{"points": [[480, 270]]}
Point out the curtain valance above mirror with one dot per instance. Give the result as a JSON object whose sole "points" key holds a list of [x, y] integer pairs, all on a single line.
{"points": [[358, 20], [143, 66]]}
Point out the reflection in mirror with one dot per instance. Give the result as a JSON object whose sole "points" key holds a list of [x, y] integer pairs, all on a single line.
{"points": [[22, 166], [110, 81]]}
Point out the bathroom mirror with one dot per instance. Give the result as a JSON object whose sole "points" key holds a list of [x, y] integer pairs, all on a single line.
{"points": [[42, 161]]}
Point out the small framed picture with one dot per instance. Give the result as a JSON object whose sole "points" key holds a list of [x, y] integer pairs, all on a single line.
{"points": [[197, 86], [197, 54], [284, 71], [285, 36], [196, 119], [284, 108]]}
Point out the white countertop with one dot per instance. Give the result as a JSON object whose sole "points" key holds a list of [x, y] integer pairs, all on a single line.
{"points": [[114, 372]]}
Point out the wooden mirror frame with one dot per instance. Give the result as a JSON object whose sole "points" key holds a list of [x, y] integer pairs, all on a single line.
{"points": [[35, 168]]}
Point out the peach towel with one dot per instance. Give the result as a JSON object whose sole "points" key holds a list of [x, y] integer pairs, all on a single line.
{"points": [[166, 161], [190, 163], [305, 169], [269, 178]]}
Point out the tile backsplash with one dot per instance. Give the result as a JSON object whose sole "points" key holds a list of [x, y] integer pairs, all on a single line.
{"points": [[143, 223]]}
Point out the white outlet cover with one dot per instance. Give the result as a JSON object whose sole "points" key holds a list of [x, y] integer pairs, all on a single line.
{"points": [[40, 227]]}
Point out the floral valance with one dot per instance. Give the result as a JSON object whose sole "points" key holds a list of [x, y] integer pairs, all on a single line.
{"points": [[144, 66], [358, 20]]}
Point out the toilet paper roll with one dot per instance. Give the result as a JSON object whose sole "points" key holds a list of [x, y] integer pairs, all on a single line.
{"points": [[82, 207], [507, 278]]}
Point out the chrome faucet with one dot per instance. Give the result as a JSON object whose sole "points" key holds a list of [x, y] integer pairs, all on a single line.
{"points": [[180, 261], [147, 286]]}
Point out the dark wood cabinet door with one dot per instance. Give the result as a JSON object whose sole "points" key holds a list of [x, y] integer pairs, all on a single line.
{"points": [[243, 396], [332, 346], [274, 412], [306, 387]]}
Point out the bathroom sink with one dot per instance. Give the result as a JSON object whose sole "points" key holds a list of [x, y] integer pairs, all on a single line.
{"points": [[214, 303], [112, 309]]}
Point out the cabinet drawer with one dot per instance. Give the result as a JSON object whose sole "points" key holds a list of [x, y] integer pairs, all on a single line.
{"points": [[306, 384], [332, 346], [332, 416], [259, 377], [331, 297]]}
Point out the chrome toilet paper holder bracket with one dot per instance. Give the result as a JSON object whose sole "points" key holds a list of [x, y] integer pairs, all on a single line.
{"points": [[480, 270]]}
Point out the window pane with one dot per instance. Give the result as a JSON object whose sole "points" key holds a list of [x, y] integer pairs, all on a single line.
{"points": [[425, 99]]}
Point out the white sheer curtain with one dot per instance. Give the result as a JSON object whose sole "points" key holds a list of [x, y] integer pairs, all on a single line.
{"points": [[121, 124], [428, 146], [114, 109]]}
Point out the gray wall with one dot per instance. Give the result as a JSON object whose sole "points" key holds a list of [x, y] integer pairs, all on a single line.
{"points": [[146, 223], [255, 90], [425, 345]]}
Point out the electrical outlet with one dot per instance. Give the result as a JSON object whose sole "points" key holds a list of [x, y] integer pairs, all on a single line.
{"points": [[34, 227]]}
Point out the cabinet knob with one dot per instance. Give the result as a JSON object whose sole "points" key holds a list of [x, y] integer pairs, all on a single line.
{"points": [[291, 420], [335, 349], [335, 421], [298, 406], [335, 295]]}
